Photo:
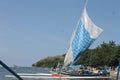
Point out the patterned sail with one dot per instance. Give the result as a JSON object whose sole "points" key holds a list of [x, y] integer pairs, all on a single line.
{"points": [[83, 36]]}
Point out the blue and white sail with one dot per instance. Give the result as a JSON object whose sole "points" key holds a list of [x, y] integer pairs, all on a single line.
{"points": [[83, 36]]}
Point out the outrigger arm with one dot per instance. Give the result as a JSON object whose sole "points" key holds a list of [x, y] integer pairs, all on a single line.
{"points": [[11, 71]]}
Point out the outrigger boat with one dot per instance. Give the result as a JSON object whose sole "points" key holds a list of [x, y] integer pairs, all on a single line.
{"points": [[83, 36]]}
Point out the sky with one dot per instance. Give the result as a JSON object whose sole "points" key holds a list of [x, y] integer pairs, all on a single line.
{"points": [[31, 30]]}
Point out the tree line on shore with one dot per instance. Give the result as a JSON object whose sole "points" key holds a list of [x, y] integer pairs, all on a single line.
{"points": [[105, 54]]}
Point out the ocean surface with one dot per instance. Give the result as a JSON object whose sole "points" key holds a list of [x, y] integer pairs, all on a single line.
{"points": [[30, 70]]}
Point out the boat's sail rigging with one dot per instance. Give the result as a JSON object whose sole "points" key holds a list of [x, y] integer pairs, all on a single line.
{"points": [[83, 36]]}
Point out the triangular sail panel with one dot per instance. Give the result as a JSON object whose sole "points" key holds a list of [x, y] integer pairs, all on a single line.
{"points": [[84, 35]]}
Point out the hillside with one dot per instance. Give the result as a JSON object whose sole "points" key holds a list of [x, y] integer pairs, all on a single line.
{"points": [[105, 54], [49, 61]]}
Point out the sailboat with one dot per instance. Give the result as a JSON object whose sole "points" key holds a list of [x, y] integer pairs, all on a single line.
{"points": [[83, 36]]}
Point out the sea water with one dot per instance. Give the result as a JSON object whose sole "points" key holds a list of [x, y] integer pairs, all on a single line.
{"points": [[30, 70]]}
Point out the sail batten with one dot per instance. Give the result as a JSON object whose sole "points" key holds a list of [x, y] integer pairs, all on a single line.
{"points": [[83, 36]]}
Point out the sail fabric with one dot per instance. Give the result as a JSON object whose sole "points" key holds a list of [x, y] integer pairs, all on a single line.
{"points": [[84, 35]]}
